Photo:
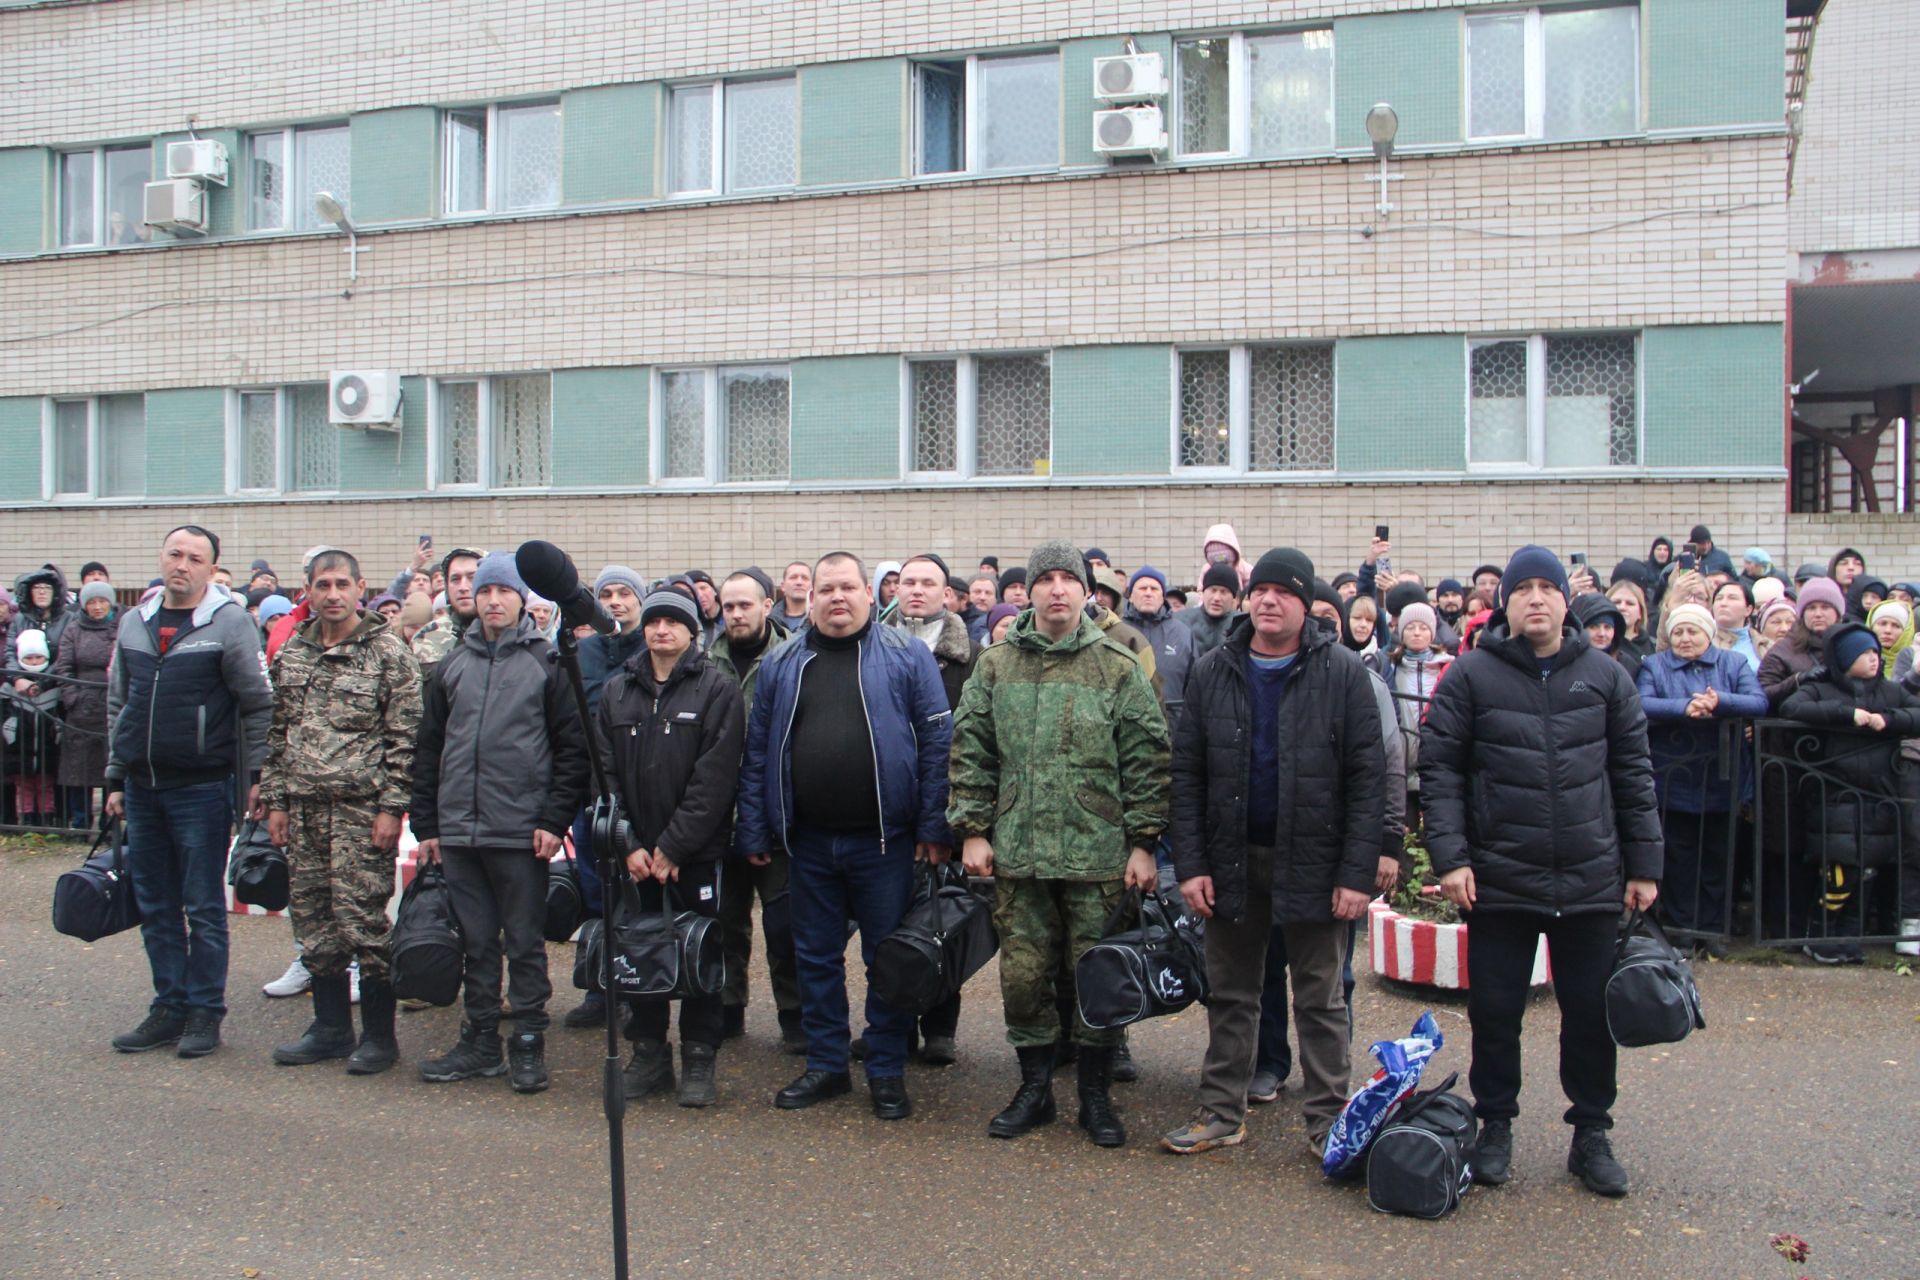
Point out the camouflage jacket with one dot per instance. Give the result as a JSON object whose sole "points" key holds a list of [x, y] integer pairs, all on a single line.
{"points": [[344, 718], [1060, 755], [435, 641]]}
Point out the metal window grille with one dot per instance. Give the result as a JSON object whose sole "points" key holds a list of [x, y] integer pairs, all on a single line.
{"points": [[936, 415], [1290, 422], [1498, 396], [1592, 77], [1497, 75], [1206, 109], [316, 441], [267, 181], [1013, 418], [943, 116], [760, 134], [1592, 417], [259, 440], [683, 425], [754, 402], [459, 433], [1206, 408]]}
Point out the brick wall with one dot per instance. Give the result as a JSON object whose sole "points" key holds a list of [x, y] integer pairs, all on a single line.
{"points": [[1857, 172]]}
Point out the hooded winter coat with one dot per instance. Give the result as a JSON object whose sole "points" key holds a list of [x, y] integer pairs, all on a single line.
{"points": [[54, 619], [31, 730], [1857, 593], [1330, 830], [1857, 819], [1897, 660], [86, 656], [673, 748], [1209, 632], [1173, 656], [1540, 782], [1594, 607], [1224, 534]]}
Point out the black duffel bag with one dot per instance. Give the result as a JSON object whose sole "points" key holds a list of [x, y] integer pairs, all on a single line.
{"points": [[95, 899], [1651, 996], [944, 939], [257, 869], [429, 952], [1155, 968], [1418, 1165], [657, 955], [564, 902]]}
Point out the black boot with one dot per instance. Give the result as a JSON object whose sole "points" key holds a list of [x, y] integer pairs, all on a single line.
{"points": [[1591, 1159], [1032, 1105], [733, 1023], [477, 1054], [649, 1071], [696, 1075], [378, 1048], [331, 1033], [1124, 1070], [1096, 1104], [527, 1062], [1493, 1153]]}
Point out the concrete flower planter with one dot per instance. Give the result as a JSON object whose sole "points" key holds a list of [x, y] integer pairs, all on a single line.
{"points": [[1427, 953]]}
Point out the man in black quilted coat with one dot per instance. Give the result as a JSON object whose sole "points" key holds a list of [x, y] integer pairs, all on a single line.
{"points": [[1541, 819]]}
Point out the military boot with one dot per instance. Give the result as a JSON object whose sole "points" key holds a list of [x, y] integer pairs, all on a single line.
{"points": [[1032, 1105], [331, 1033], [1096, 1104], [649, 1071], [696, 1075], [1124, 1070], [378, 1048], [527, 1062], [477, 1054]]}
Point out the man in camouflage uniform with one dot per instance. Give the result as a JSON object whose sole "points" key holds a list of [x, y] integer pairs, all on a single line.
{"points": [[438, 637], [1059, 791], [338, 777]]}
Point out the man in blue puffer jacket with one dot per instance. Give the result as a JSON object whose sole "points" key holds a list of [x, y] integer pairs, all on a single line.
{"points": [[846, 769]]}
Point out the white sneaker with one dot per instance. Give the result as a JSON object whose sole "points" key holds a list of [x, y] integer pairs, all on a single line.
{"points": [[293, 982], [1911, 930], [353, 983]]}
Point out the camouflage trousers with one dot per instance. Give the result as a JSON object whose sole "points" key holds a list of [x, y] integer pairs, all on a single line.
{"points": [[1044, 925], [340, 886]]}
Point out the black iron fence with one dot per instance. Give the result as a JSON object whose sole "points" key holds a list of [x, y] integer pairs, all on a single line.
{"points": [[50, 753]]}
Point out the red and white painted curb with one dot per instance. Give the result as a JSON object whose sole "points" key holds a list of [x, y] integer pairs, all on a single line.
{"points": [[1429, 953]]}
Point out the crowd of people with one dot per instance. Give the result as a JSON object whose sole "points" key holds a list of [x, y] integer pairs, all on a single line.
{"points": [[1267, 739]]}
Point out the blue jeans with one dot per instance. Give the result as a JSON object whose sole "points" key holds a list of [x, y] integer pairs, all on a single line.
{"points": [[177, 852], [1275, 1055], [837, 877]]}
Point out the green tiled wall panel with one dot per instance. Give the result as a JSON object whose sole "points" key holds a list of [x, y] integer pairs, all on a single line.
{"points": [[845, 418], [383, 461], [853, 121], [1401, 403], [1112, 411], [610, 137], [599, 427], [396, 171], [1412, 60], [26, 182], [1714, 395], [1076, 89], [20, 448], [1713, 62], [224, 217], [186, 443]]}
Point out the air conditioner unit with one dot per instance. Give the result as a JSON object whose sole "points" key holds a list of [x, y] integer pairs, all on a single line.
{"points": [[176, 204], [1132, 77], [1130, 131], [200, 158], [364, 398]]}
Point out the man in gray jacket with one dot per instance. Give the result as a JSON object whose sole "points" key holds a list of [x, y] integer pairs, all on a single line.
{"points": [[499, 771], [1172, 640]]}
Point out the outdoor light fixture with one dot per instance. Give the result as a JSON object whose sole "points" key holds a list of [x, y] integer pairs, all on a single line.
{"points": [[330, 211], [1383, 125]]}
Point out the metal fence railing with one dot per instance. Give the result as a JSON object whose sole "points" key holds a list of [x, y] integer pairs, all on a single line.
{"points": [[46, 754]]}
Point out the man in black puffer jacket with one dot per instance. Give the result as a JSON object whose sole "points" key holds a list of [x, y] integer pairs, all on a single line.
{"points": [[1278, 817], [1541, 819]]}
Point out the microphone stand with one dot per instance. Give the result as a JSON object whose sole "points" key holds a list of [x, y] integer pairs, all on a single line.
{"points": [[606, 824]]}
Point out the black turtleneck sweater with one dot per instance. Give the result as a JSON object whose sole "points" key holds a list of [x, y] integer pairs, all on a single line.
{"points": [[743, 652], [835, 787]]}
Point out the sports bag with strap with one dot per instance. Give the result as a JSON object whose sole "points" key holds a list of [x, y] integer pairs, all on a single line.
{"points": [[944, 939], [1418, 1164], [1155, 968], [257, 869], [429, 953], [657, 955], [1651, 996], [95, 899]]}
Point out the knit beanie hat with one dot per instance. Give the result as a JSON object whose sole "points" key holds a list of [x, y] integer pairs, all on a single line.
{"points": [[1095, 553], [1144, 571], [759, 575], [1449, 584], [96, 591], [1057, 553], [498, 570], [1221, 575], [1779, 604], [385, 597], [1286, 568], [671, 602], [1891, 609], [1768, 589], [1534, 561], [1700, 533], [275, 606], [1822, 591], [416, 610], [1404, 596], [1419, 613], [31, 644], [1852, 641], [998, 612], [626, 577], [1015, 576], [1695, 614]]}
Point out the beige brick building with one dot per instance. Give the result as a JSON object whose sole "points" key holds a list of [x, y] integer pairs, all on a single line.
{"points": [[721, 284]]}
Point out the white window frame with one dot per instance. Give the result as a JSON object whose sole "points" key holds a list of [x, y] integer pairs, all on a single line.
{"points": [[1239, 95], [237, 435], [491, 205], [100, 210], [483, 399], [970, 113], [1240, 416], [1537, 402], [966, 402], [50, 458], [717, 159], [1535, 74], [713, 426], [295, 165]]}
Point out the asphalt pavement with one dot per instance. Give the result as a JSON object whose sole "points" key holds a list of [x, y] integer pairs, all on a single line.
{"points": [[1794, 1111]]}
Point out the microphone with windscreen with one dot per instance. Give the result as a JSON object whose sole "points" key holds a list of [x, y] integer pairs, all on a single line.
{"points": [[547, 571]]}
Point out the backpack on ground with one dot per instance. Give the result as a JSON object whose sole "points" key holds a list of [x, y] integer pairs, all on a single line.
{"points": [[429, 952], [945, 938], [1418, 1164], [1156, 968], [95, 899], [1651, 996]]}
